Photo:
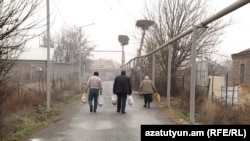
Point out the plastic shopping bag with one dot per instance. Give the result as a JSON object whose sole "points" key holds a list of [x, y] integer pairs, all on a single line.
{"points": [[114, 99], [84, 98], [130, 100], [100, 100]]}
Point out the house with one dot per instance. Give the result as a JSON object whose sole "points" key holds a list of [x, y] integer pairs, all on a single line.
{"points": [[241, 67], [241, 74]]}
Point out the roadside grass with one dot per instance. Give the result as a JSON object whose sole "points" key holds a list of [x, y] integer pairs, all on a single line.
{"points": [[174, 113], [206, 112], [22, 123]]}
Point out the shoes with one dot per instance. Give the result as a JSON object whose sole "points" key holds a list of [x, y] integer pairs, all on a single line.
{"points": [[91, 109], [148, 106], [94, 111], [144, 106], [118, 111], [123, 113]]}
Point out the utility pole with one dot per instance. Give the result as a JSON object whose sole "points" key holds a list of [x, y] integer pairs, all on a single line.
{"points": [[193, 74], [80, 71], [80, 61], [170, 50], [80, 57], [48, 57]]}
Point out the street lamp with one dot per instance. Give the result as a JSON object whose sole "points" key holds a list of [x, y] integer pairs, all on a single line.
{"points": [[123, 39], [80, 56]]}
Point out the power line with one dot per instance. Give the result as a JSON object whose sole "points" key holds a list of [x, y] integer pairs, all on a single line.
{"points": [[126, 10], [115, 12], [60, 14]]}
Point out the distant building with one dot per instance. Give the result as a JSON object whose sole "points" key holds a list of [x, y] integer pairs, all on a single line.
{"points": [[31, 66], [241, 67], [241, 74], [107, 69]]}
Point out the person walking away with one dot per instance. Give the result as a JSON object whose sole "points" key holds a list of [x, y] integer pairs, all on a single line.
{"points": [[147, 88], [94, 86], [122, 88]]}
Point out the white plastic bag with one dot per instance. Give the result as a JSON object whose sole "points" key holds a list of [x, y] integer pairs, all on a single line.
{"points": [[84, 98], [114, 99], [100, 100], [130, 100]]}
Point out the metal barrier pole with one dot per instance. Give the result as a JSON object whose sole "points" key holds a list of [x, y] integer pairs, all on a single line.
{"points": [[193, 74]]}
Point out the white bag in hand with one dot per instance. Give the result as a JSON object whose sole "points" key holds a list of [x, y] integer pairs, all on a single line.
{"points": [[114, 99], [84, 98], [130, 100], [100, 101]]}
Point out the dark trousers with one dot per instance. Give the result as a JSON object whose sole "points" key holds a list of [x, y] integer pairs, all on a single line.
{"points": [[93, 95], [121, 102], [147, 99]]}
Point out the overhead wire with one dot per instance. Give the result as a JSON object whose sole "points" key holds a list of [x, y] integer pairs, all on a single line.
{"points": [[60, 14], [115, 12], [134, 19], [126, 10]]}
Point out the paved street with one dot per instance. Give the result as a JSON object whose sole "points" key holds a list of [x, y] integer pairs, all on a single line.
{"points": [[78, 124]]}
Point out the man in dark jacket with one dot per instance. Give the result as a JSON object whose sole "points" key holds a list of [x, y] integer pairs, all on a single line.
{"points": [[122, 88]]}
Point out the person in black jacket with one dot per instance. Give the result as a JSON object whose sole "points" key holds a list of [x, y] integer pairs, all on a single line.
{"points": [[122, 88]]}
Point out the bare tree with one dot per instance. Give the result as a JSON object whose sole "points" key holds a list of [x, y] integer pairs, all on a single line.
{"points": [[15, 26], [44, 43], [219, 68], [71, 43], [173, 17]]}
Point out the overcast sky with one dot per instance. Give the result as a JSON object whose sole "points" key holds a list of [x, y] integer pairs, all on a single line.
{"points": [[118, 17]]}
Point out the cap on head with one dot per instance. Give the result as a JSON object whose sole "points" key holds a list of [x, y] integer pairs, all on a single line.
{"points": [[123, 72], [96, 73]]}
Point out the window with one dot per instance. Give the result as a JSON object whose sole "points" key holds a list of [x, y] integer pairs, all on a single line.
{"points": [[242, 73]]}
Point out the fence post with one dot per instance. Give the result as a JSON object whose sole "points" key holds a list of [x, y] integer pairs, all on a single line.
{"points": [[153, 68], [213, 86], [233, 96], [169, 74], [183, 82], [133, 72], [208, 86], [226, 87], [140, 70]]}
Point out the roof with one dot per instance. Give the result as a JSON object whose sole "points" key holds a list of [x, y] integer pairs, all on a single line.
{"points": [[245, 52], [35, 54]]}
